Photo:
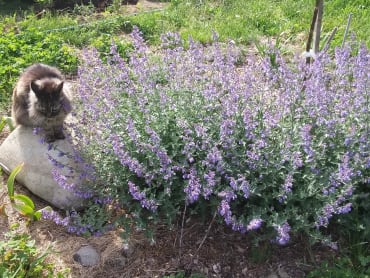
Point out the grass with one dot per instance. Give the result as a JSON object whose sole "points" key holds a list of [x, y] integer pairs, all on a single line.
{"points": [[243, 21], [53, 37]]}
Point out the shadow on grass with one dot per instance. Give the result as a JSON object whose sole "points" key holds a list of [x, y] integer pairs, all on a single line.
{"points": [[14, 6]]}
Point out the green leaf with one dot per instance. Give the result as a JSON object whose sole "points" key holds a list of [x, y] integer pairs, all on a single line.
{"points": [[9, 122], [10, 182], [2, 124], [25, 199], [24, 209], [364, 260], [37, 215]]}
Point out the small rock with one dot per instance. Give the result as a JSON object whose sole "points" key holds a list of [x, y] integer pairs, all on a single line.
{"points": [[216, 268], [282, 273], [87, 256], [273, 275], [127, 250]]}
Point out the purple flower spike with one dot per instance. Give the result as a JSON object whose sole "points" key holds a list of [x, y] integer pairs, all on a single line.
{"points": [[283, 236], [254, 224]]}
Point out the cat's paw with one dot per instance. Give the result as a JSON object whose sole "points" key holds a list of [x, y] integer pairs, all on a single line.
{"points": [[49, 138], [59, 135]]}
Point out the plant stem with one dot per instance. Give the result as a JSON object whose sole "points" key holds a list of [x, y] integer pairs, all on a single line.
{"points": [[326, 47], [207, 232], [347, 28]]}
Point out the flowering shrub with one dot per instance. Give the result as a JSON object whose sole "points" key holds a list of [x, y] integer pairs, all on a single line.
{"points": [[278, 147]]}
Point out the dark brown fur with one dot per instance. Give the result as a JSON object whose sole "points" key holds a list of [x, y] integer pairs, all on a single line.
{"points": [[40, 99]]}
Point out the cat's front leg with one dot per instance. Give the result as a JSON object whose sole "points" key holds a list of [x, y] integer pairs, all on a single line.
{"points": [[58, 132], [50, 135]]}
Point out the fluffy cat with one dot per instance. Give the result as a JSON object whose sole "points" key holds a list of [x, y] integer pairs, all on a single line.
{"points": [[40, 99]]}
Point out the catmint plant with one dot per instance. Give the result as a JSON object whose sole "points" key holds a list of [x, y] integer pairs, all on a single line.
{"points": [[277, 148]]}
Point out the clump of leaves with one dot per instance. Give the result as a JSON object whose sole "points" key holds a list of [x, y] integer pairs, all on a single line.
{"points": [[6, 121], [19, 257], [22, 203]]}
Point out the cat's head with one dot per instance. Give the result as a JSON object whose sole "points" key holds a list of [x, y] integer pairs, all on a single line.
{"points": [[49, 96]]}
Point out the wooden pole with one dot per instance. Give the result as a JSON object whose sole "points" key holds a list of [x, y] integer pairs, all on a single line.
{"points": [[320, 11], [310, 35]]}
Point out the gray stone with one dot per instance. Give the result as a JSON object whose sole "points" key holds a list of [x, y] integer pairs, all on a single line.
{"points": [[23, 146], [87, 256]]}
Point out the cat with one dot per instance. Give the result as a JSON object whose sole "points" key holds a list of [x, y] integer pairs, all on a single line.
{"points": [[41, 100]]}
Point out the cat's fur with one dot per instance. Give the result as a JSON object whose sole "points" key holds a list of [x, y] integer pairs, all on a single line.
{"points": [[41, 99]]}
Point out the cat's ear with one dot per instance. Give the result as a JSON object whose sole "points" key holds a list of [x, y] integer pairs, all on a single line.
{"points": [[59, 88], [35, 87]]}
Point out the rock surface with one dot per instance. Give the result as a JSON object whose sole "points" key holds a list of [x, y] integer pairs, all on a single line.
{"points": [[87, 256], [23, 146]]}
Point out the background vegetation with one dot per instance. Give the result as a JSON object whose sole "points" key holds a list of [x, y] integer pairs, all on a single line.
{"points": [[31, 34]]}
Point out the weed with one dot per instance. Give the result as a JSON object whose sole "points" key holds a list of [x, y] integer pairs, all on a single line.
{"points": [[22, 203], [19, 257]]}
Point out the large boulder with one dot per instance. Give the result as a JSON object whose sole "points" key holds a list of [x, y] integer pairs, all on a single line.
{"points": [[22, 145]]}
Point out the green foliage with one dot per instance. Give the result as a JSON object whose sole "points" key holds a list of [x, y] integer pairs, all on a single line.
{"points": [[336, 13], [342, 267], [11, 179], [124, 47], [21, 47], [50, 37], [19, 257], [6, 121], [353, 233], [22, 203]]}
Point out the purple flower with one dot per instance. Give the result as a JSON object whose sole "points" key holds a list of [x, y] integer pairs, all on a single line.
{"points": [[54, 216], [283, 236], [344, 209], [37, 130], [224, 210], [254, 224], [135, 192], [244, 186], [327, 213], [62, 181], [210, 184], [193, 188], [306, 138], [286, 187], [345, 172], [227, 195], [297, 160]]}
